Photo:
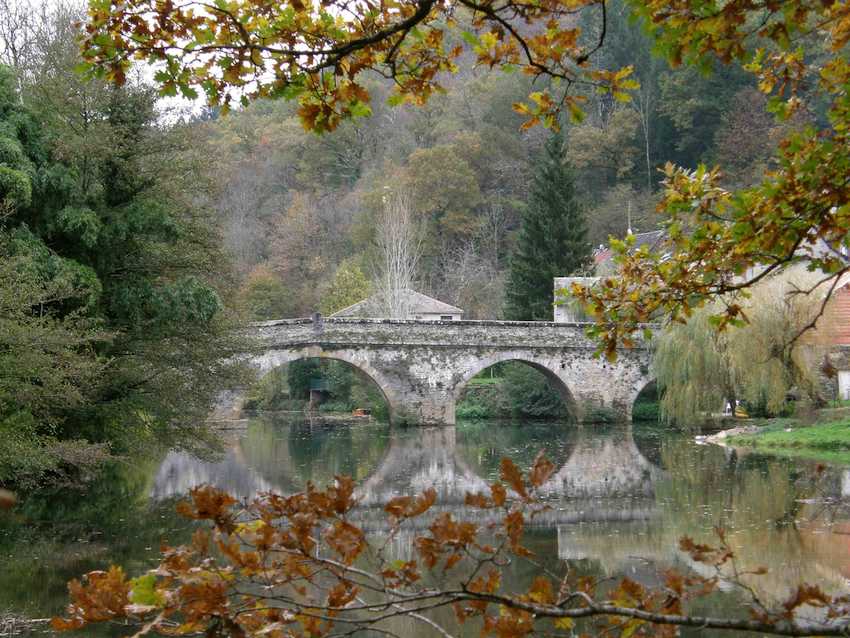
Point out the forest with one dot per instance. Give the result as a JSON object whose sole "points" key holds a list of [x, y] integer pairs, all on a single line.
{"points": [[144, 228]]}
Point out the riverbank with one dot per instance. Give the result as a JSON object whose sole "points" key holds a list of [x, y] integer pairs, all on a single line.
{"points": [[825, 438]]}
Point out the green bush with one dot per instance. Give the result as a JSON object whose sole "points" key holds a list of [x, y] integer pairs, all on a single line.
{"points": [[646, 411], [470, 410], [336, 406], [15, 187], [531, 395], [601, 415]]}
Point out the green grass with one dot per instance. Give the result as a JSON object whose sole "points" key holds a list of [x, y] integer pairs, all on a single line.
{"points": [[828, 442], [485, 380]]}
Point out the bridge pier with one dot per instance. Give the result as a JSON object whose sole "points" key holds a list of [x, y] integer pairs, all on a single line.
{"points": [[423, 408], [596, 405]]}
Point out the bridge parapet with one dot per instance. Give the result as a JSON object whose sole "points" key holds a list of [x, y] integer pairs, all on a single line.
{"points": [[401, 332]]}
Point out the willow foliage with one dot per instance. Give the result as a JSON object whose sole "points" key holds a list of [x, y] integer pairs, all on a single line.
{"points": [[699, 369]]}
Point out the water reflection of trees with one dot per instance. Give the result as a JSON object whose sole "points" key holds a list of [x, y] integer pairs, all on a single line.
{"points": [[288, 453], [759, 502], [483, 444], [631, 527]]}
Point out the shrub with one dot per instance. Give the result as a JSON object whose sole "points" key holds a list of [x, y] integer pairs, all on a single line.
{"points": [[646, 411]]}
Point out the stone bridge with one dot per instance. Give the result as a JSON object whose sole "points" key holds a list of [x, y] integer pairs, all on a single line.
{"points": [[422, 367]]}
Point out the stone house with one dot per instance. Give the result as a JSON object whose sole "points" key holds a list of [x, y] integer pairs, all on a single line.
{"points": [[419, 307], [567, 311]]}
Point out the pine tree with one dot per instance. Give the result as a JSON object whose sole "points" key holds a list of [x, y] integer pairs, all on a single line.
{"points": [[552, 240]]}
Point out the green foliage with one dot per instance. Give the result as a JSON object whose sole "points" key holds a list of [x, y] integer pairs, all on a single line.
{"points": [[264, 296], [114, 330], [646, 410], [348, 286], [271, 393], [518, 391], [300, 374], [15, 187], [552, 241], [826, 441], [699, 369], [469, 409]]}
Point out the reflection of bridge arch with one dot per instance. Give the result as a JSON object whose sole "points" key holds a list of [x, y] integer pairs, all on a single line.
{"points": [[605, 476], [605, 465], [555, 381]]}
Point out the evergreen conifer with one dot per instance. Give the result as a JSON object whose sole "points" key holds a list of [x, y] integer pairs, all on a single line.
{"points": [[552, 240]]}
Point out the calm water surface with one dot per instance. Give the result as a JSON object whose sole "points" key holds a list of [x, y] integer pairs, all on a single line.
{"points": [[621, 499]]}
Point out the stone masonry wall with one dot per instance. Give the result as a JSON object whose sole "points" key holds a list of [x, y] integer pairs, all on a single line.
{"points": [[422, 367]]}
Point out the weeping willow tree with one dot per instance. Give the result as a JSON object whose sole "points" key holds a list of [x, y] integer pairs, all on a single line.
{"points": [[700, 370]]}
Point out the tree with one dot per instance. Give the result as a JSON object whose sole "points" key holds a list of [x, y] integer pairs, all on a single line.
{"points": [[48, 364], [264, 296], [552, 240], [241, 52], [444, 189], [399, 240], [301, 566], [721, 242], [699, 369], [244, 50], [98, 204], [348, 286], [606, 152]]}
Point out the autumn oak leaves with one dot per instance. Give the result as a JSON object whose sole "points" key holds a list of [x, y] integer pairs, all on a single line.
{"points": [[319, 52], [286, 565], [719, 243], [298, 566]]}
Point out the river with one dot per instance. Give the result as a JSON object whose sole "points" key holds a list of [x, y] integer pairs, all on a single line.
{"points": [[620, 500]]}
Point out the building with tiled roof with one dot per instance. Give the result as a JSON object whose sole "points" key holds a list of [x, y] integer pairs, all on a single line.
{"points": [[418, 306]]}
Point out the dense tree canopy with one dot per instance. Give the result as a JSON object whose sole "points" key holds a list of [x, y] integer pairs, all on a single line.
{"points": [[319, 53], [112, 277]]}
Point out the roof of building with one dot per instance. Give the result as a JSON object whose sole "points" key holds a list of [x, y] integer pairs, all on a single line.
{"points": [[416, 302], [650, 239]]}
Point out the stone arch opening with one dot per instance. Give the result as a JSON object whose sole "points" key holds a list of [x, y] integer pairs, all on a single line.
{"points": [[646, 403], [313, 378], [646, 417], [510, 385]]}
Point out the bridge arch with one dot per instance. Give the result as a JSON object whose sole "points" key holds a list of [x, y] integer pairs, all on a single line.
{"points": [[356, 359], [555, 381], [645, 390]]}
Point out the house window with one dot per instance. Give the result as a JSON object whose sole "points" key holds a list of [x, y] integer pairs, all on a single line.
{"points": [[446, 318]]}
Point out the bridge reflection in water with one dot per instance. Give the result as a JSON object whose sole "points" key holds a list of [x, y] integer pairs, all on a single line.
{"points": [[617, 503], [599, 467]]}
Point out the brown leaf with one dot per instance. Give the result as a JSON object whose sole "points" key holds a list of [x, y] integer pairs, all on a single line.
{"points": [[342, 594], [347, 540], [541, 591], [806, 595], [341, 493], [409, 507], [512, 476], [541, 470], [499, 493], [477, 500]]}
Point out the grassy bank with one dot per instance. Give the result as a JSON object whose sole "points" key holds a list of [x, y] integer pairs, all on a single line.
{"points": [[827, 439]]}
